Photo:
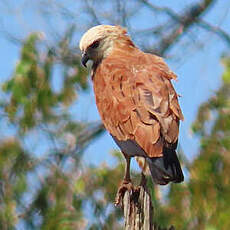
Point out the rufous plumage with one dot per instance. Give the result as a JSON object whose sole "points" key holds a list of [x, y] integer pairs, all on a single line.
{"points": [[136, 100]]}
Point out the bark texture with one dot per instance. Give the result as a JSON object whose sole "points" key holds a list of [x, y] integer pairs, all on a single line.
{"points": [[138, 210]]}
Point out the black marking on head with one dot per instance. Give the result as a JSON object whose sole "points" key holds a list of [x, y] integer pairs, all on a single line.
{"points": [[95, 44]]}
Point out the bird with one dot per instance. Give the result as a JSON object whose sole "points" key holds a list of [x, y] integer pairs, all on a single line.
{"points": [[136, 100]]}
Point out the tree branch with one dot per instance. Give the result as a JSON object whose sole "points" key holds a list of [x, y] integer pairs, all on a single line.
{"points": [[165, 10], [92, 12], [217, 30], [184, 22]]}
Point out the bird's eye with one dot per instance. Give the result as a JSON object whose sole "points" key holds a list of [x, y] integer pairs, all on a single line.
{"points": [[95, 44]]}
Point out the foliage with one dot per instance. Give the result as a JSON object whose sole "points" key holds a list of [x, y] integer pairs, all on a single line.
{"points": [[14, 165], [203, 202], [43, 182], [32, 98], [33, 107], [209, 184]]}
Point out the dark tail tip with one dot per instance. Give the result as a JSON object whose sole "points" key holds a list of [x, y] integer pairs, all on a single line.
{"points": [[166, 169]]}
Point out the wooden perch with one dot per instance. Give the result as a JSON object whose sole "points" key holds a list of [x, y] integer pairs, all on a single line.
{"points": [[138, 210]]}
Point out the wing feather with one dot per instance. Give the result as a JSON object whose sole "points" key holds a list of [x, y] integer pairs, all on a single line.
{"points": [[137, 101]]}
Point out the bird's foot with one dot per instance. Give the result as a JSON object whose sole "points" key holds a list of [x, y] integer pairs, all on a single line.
{"points": [[125, 186]]}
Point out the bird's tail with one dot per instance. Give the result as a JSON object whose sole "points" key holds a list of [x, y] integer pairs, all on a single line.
{"points": [[166, 169]]}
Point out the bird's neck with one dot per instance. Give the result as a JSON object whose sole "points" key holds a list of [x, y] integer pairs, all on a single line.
{"points": [[121, 46], [123, 43]]}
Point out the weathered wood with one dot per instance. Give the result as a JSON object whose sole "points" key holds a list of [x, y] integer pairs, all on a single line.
{"points": [[138, 210]]}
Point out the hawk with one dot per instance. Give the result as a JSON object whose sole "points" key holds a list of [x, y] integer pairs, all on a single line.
{"points": [[136, 101]]}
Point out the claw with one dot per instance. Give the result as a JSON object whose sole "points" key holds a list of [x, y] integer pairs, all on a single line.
{"points": [[125, 186]]}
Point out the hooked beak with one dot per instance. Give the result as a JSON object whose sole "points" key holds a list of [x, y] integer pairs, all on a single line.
{"points": [[84, 59]]}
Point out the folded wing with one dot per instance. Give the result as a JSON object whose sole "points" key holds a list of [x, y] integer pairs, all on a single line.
{"points": [[137, 101]]}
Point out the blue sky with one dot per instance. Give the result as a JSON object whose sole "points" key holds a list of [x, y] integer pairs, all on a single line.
{"points": [[199, 69]]}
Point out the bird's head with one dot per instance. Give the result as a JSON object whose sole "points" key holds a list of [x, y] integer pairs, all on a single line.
{"points": [[98, 42]]}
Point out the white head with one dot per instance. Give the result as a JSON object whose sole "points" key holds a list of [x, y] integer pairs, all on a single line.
{"points": [[98, 42]]}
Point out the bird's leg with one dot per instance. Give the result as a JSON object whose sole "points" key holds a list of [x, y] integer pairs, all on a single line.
{"points": [[143, 180], [127, 178], [126, 183]]}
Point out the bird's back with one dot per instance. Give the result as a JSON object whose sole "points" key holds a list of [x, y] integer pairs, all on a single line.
{"points": [[137, 102]]}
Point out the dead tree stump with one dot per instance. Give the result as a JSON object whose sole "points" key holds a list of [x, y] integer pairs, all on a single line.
{"points": [[138, 210]]}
